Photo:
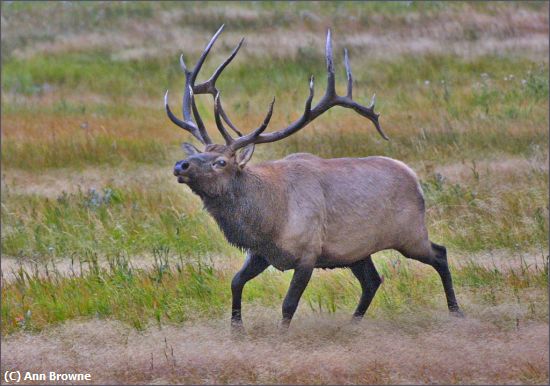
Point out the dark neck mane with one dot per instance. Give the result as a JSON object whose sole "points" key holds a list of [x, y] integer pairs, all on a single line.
{"points": [[249, 212]]}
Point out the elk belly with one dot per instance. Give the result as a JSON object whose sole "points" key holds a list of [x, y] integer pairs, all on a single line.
{"points": [[277, 257]]}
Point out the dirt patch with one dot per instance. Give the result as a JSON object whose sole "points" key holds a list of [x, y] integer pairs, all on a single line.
{"points": [[52, 183], [317, 349], [462, 171], [291, 43], [503, 260], [66, 267]]}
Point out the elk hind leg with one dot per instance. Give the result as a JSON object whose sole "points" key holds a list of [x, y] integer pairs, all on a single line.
{"points": [[370, 280], [436, 256]]}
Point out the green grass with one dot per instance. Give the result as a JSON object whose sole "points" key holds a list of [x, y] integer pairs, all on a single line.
{"points": [[135, 296], [93, 150], [469, 217], [105, 221], [459, 118], [174, 290], [97, 72], [91, 71], [131, 216]]}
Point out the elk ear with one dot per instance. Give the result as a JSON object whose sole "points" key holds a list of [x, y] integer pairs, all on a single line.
{"points": [[189, 149], [244, 155]]}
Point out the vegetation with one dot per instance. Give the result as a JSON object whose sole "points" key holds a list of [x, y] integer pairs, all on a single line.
{"points": [[173, 290]]}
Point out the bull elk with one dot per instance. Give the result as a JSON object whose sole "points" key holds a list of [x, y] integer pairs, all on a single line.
{"points": [[303, 212]]}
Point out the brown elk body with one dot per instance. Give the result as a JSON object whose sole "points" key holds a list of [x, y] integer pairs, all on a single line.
{"points": [[304, 212]]}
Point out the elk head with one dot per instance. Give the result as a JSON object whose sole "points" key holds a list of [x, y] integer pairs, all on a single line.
{"points": [[211, 171]]}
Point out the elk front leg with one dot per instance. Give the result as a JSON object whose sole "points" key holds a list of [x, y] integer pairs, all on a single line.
{"points": [[253, 266], [297, 286]]}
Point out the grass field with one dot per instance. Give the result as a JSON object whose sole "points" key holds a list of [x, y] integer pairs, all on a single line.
{"points": [[111, 267]]}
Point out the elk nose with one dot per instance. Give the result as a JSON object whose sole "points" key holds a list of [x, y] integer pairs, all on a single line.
{"points": [[180, 167]]}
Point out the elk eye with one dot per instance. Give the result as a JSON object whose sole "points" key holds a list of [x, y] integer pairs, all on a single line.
{"points": [[220, 162]]}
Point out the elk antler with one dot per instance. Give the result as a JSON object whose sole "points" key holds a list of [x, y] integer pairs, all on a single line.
{"points": [[209, 87], [329, 100]]}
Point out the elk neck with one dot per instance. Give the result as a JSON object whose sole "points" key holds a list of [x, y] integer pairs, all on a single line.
{"points": [[250, 211]]}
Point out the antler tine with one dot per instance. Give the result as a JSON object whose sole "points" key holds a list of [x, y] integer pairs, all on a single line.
{"points": [[304, 119], [347, 101], [331, 91], [370, 114], [264, 125], [367, 112], [372, 101], [251, 138], [190, 77], [182, 65], [348, 73], [217, 108], [188, 103], [186, 125], [309, 99], [205, 54], [209, 87], [200, 124], [228, 121]]}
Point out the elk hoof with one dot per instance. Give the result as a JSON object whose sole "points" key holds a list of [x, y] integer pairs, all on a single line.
{"points": [[237, 330], [457, 313], [283, 326]]}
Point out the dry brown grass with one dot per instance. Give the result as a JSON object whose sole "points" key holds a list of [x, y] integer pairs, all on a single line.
{"points": [[420, 348], [49, 127], [500, 171], [477, 31]]}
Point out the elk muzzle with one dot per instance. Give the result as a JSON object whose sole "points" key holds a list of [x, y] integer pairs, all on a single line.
{"points": [[180, 170]]}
